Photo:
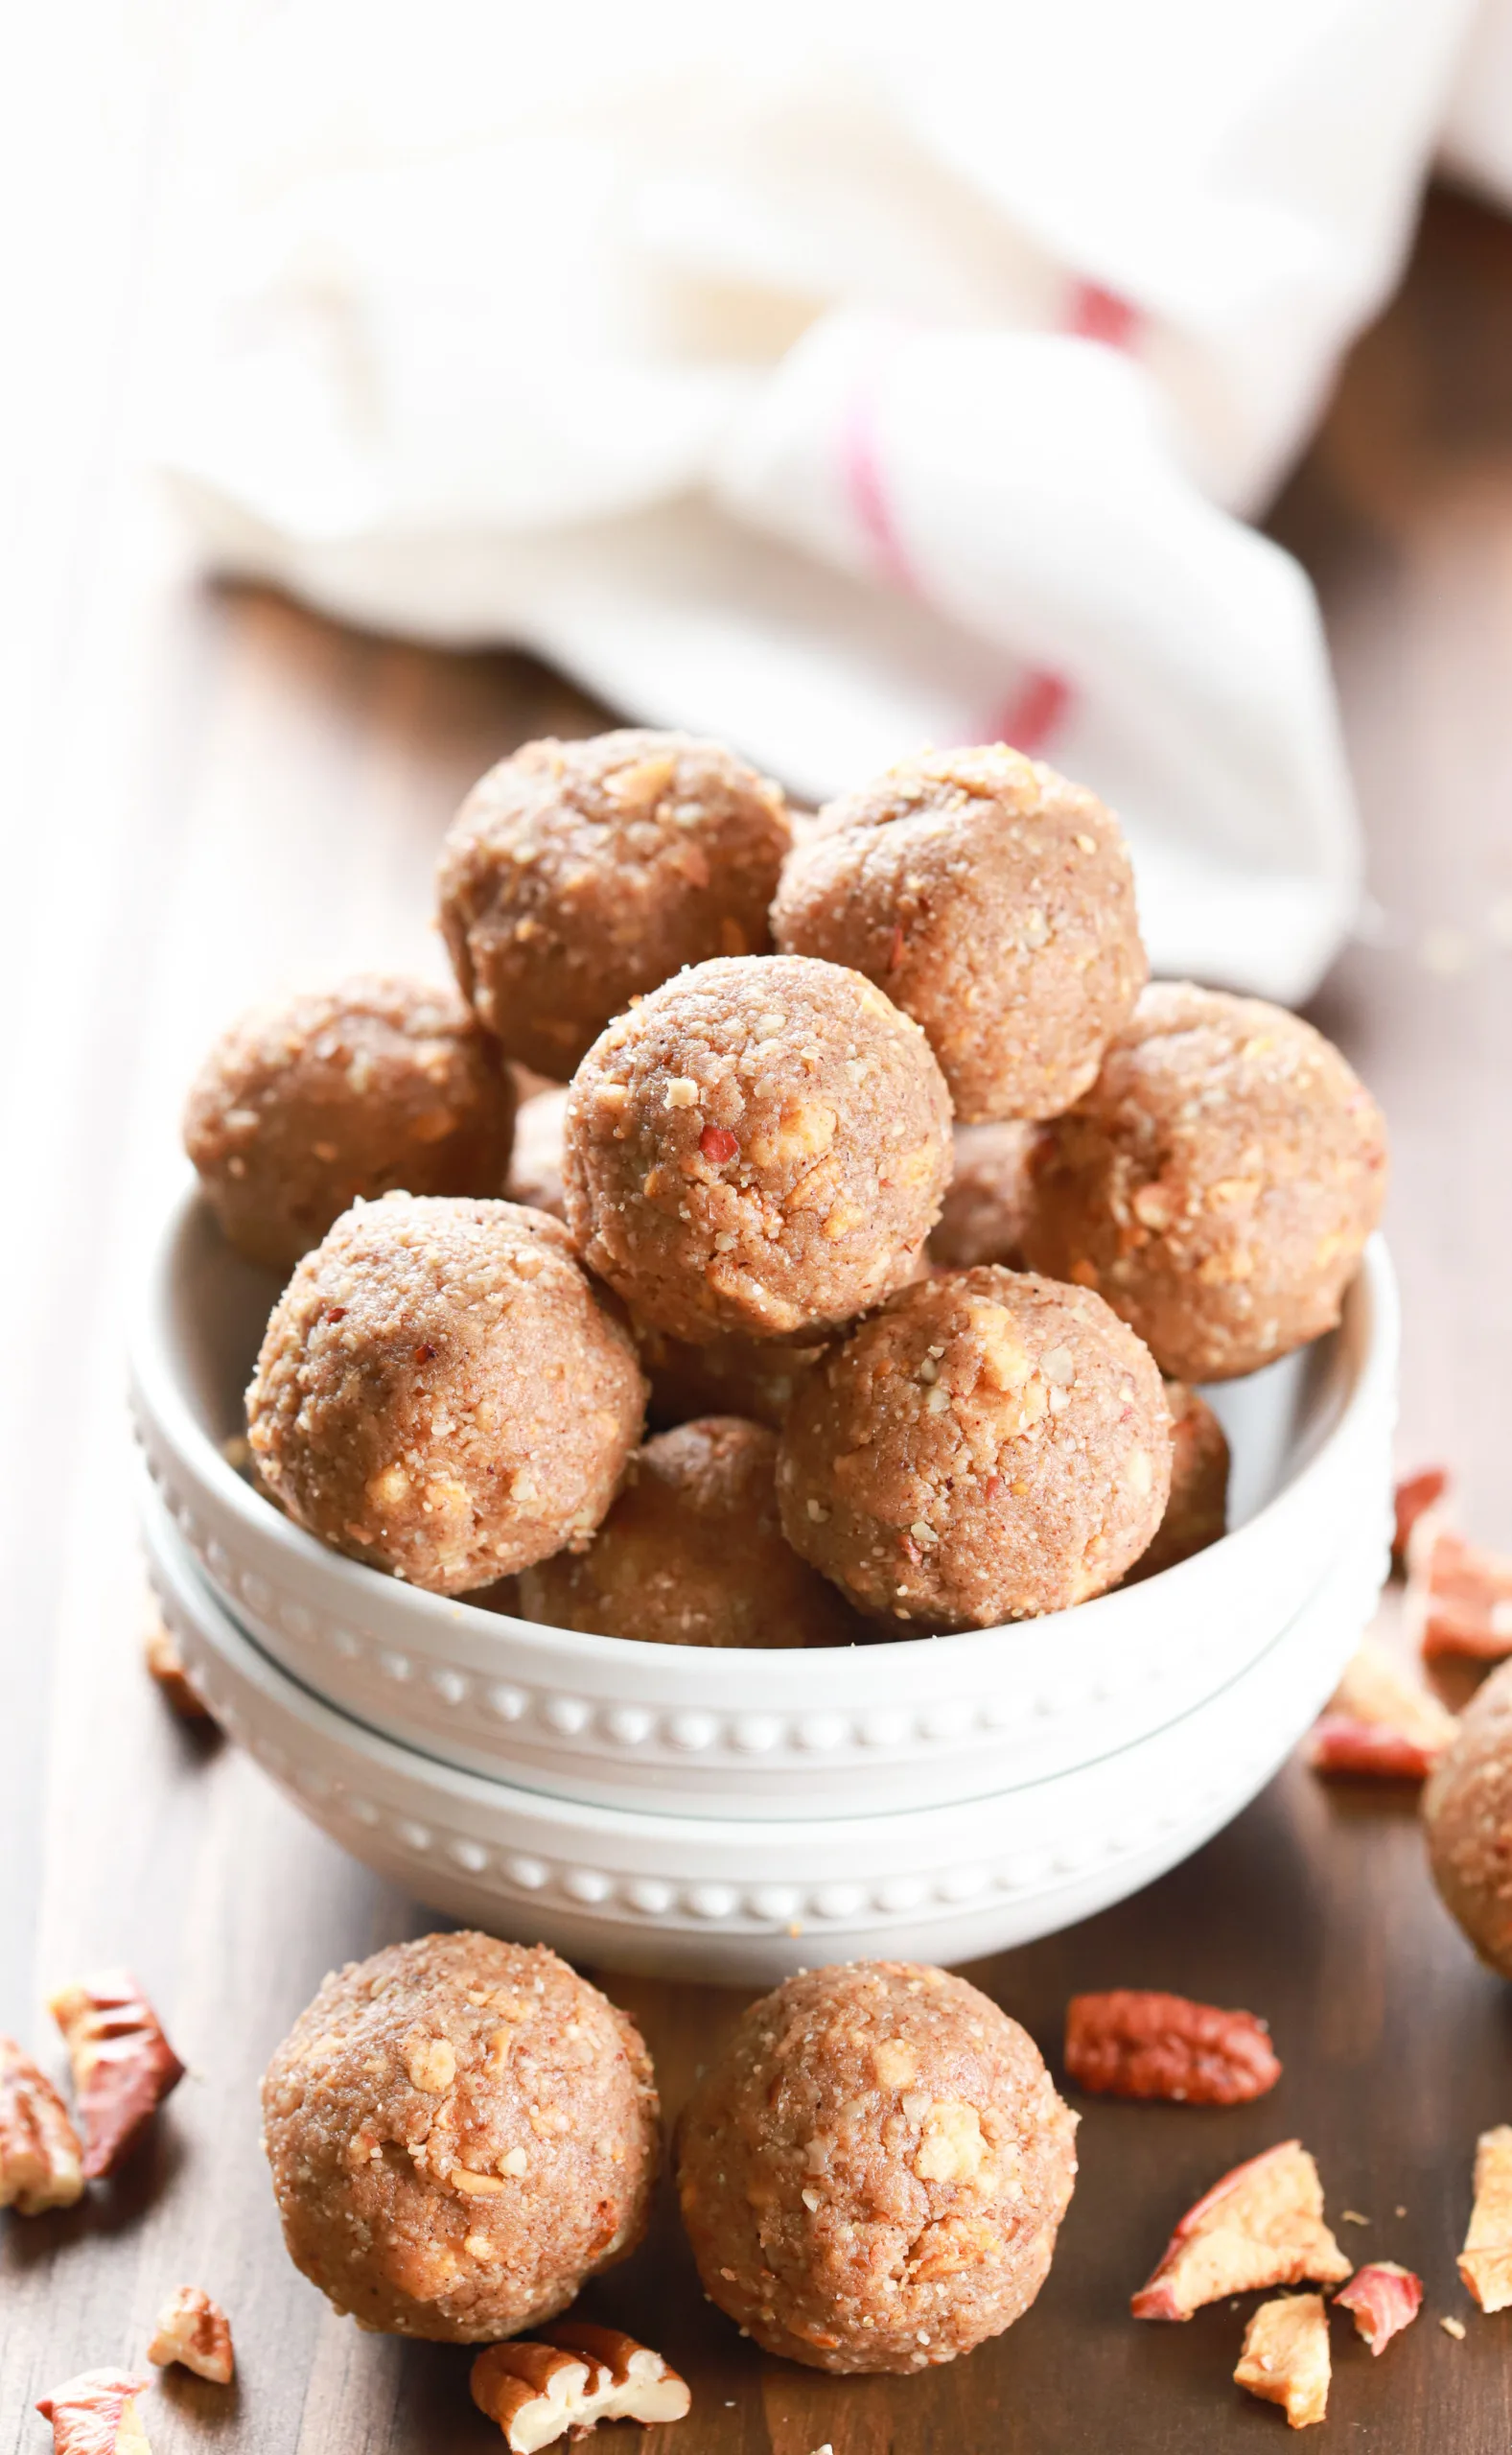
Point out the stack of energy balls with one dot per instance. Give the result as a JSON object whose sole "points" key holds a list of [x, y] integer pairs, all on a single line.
{"points": [[880, 1172]]}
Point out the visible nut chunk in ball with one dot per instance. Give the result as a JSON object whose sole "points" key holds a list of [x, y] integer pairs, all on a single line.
{"points": [[379, 1086], [873, 2171], [1196, 1512], [1216, 1185], [760, 1146], [692, 1553], [461, 2132], [994, 902], [986, 1207], [578, 875], [987, 1447], [1467, 1814], [441, 1394]]}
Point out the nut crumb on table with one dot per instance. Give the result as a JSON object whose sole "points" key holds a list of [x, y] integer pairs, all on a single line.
{"points": [[194, 2331]]}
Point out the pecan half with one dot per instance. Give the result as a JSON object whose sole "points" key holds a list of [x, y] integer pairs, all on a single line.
{"points": [[1378, 1723], [1286, 2358], [1384, 2298], [1260, 2224], [40, 2158], [123, 2065], [540, 2391], [1485, 2263], [1414, 1496], [1460, 1597], [1130, 2042], [94, 2414], [196, 2332]]}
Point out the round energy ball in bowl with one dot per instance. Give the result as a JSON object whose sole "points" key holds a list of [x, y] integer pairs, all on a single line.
{"points": [[994, 902], [692, 1553], [988, 1446], [759, 1146], [1217, 1183], [1467, 1815], [441, 1394], [986, 1213], [535, 1172], [380, 1084], [754, 1378], [1198, 1508], [874, 2171], [577, 874], [461, 2132]]}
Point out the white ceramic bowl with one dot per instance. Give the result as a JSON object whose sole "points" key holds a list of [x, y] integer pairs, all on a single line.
{"points": [[692, 1731], [733, 1900]]}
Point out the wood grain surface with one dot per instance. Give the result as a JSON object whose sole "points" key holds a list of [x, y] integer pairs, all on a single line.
{"points": [[213, 794]]}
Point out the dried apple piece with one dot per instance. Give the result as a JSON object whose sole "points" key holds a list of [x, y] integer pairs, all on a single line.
{"points": [[1260, 2224], [1384, 2299], [196, 2332], [1132, 2043], [1414, 1496], [1378, 1723], [1460, 1596], [1284, 2357], [42, 2164], [94, 2414], [1485, 2263], [122, 2062]]}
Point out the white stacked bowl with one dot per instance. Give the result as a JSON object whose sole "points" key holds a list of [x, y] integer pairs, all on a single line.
{"points": [[734, 1814]]}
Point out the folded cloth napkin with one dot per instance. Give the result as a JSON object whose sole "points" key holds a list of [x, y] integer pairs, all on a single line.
{"points": [[832, 379]]}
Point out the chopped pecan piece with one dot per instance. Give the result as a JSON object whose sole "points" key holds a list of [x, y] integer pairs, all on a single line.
{"points": [[123, 2065], [1485, 2263], [94, 2414], [1461, 1597], [40, 2158], [1286, 2358], [1260, 2224], [165, 1664], [1378, 1723], [1134, 2044], [539, 2392], [1414, 1496], [196, 2332], [1385, 2298]]}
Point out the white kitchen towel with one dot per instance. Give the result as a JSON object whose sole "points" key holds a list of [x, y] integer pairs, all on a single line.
{"points": [[833, 379]]}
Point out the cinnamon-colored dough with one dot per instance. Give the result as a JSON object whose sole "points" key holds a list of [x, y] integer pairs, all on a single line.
{"points": [[1196, 1512]]}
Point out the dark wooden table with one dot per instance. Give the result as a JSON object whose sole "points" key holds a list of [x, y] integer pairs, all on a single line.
{"points": [[212, 793]]}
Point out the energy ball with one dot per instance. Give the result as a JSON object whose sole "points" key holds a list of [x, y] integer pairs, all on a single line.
{"points": [[759, 1146], [375, 1086], [692, 1553], [535, 1174], [987, 1447], [1217, 1183], [994, 902], [1196, 1512], [441, 1394], [461, 2132], [874, 2171], [755, 1378], [1467, 1816], [986, 1207], [578, 875]]}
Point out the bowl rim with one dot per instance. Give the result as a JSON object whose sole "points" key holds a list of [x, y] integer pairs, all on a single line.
{"points": [[793, 1679]]}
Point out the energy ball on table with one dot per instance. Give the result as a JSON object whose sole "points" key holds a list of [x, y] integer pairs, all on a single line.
{"points": [[986, 1207], [1467, 1815], [1196, 1512], [692, 1553], [441, 1394], [375, 1086], [535, 1172], [1217, 1183], [987, 1447], [755, 1378], [578, 875], [874, 2171], [461, 2132], [994, 902], [759, 1146]]}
